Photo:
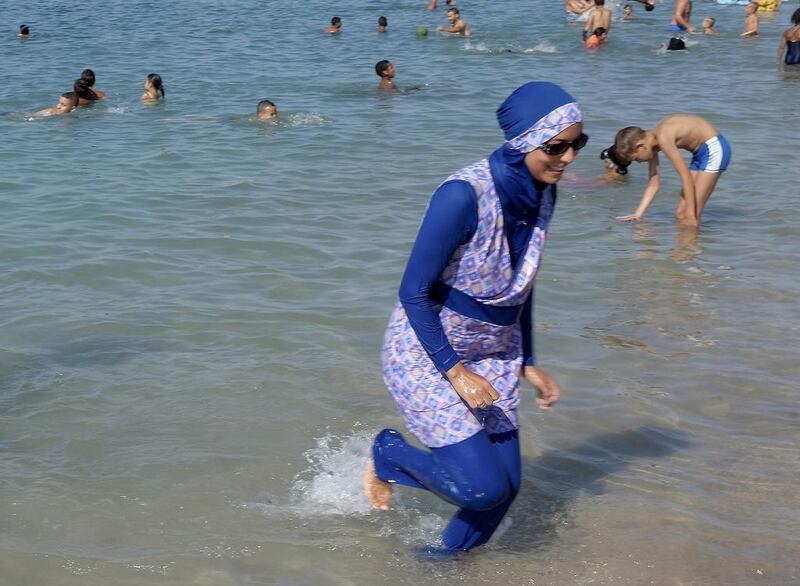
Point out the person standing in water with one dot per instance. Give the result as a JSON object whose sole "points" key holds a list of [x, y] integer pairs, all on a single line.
{"points": [[457, 25], [599, 18], [153, 88], [681, 17], [460, 336], [790, 42], [750, 21]]}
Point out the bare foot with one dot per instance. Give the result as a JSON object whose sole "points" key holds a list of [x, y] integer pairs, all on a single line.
{"points": [[379, 493]]}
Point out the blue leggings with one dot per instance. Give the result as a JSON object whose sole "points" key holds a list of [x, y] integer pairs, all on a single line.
{"points": [[480, 475]]}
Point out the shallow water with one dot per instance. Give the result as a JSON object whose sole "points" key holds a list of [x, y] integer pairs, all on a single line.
{"points": [[193, 301]]}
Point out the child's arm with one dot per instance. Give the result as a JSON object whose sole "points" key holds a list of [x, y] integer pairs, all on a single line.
{"points": [[674, 155], [650, 192]]}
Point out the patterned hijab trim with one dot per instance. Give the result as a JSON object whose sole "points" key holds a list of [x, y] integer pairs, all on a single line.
{"points": [[546, 128]]}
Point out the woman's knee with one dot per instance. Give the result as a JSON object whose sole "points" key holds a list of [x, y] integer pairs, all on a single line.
{"points": [[486, 494]]}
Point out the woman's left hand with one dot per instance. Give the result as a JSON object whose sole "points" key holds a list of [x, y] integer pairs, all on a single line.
{"points": [[545, 384]]}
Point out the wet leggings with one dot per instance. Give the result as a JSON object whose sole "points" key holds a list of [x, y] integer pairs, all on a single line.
{"points": [[480, 475]]}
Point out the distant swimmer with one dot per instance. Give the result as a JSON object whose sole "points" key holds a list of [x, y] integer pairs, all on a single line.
{"points": [[675, 44], [711, 154], [24, 31], [66, 104], [627, 12], [597, 38], [750, 21], [385, 71], [383, 24], [88, 76], [575, 8], [336, 26], [86, 95], [457, 25], [681, 17], [599, 18], [432, 4], [266, 110], [790, 42], [708, 26], [154, 88]]}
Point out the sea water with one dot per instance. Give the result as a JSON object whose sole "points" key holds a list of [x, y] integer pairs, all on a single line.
{"points": [[193, 302]]}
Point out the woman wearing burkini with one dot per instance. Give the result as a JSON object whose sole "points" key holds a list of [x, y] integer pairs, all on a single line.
{"points": [[460, 336]]}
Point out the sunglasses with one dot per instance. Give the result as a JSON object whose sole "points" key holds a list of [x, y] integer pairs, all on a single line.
{"points": [[561, 147]]}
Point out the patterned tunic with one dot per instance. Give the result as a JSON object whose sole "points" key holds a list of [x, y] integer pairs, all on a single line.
{"points": [[482, 269]]}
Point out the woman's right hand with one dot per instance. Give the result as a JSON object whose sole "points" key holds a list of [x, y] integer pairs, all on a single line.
{"points": [[477, 392]]}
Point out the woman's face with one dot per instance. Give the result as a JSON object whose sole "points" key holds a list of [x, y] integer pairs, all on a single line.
{"points": [[549, 168]]}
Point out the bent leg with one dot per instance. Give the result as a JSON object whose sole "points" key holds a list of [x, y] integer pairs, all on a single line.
{"points": [[470, 528], [469, 474]]}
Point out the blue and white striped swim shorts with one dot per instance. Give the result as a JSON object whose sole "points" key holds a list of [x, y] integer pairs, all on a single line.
{"points": [[713, 155]]}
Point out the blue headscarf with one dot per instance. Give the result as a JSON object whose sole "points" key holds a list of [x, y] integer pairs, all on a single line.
{"points": [[533, 114]]}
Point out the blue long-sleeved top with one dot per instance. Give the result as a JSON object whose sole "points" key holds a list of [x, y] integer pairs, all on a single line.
{"points": [[451, 220]]}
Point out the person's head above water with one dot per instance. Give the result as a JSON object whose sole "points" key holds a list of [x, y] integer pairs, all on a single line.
{"points": [[383, 23], [676, 44], [620, 165], [266, 110], [84, 90], [543, 130], [633, 143], [599, 32], [649, 5], [336, 21], [153, 84], [453, 14], [66, 103], [24, 31], [384, 68], [88, 76]]}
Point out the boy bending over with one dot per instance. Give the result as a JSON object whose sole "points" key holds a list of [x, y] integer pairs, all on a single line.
{"points": [[711, 154]]}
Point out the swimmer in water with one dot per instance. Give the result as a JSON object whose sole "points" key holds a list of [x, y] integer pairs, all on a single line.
{"points": [[66, 104], [750, 21], [86, 95], [675, 44], [452, 362], [598, 38], [24, 32], [790, 42], [336, 26], [711, 154], [681, 16], [88, 76], [708, 26], [627, 12], [385, 71], [457, 25], [383, 24], [266, 110], [599, 18], [153, 88]]}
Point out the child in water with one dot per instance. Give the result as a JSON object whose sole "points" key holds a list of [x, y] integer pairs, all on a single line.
{"points": [[598, 38], [336, 26], [711, 154], [627, 12], [708, 26], [750, 21], [66, 104], [385, 71], [154, 88], [86, 94], [266, 110], [383, 24]]}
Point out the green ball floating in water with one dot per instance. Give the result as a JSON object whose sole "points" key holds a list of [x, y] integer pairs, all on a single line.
{"points": [[422, 31]]}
